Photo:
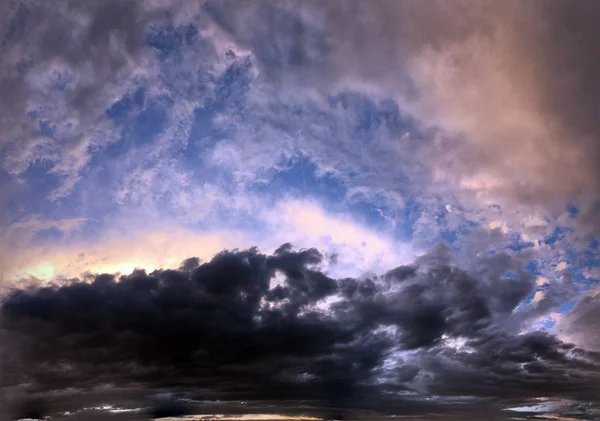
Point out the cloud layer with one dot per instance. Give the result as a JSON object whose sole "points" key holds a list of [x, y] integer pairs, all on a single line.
{"points": [[246, 325], [137, 134]]}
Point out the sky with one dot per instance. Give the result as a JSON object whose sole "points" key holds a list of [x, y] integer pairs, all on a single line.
{"points": [[273, 210]]}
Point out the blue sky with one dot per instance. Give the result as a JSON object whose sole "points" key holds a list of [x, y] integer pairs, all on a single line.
{"points": [[184, 129], [196, 134]]}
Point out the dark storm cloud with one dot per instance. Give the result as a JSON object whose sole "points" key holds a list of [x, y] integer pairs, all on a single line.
{"points": [[225, 326], [514, 366]]}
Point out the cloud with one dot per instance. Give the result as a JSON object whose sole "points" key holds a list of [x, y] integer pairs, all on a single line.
{"points": [[513, 93], [150, 240], [150, 249], [225, 327], [25, 229], [141, 134], [359, 248], [62, 68], [581, 323]]}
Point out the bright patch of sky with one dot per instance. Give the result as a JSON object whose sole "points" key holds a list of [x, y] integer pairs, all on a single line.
{"points": [[198, 140]]}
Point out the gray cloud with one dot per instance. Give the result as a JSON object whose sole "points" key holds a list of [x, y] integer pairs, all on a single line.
{"points": [[581, 323], [515, 84], [62, 66], [510, 90], [224, 326]]}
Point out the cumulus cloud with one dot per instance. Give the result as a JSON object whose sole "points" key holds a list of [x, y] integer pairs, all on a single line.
{"points": [[581, 324], [62, 67], [225, 327], [512, 84]]}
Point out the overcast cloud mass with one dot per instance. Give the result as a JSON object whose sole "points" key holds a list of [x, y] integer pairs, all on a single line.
{"points": [[299, 210]]}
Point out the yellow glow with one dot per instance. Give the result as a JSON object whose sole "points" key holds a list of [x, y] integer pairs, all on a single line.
{"points": [[152, 250], [498, 224], [538, 296], [42, 271], [122, 268], [561, 266], [541, 281]]}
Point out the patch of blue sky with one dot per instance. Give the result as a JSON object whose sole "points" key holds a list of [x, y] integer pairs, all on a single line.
{"points": [[140, 119], [364, 120], [546, 324], [455, 237], [169, 39], [232, 87], [298, 176], [576, 267], [229, 97], [93, 195], [453, 234], [15, 198], [557, 235], [590, 257], [568, 306], [183, 77], [407, 218], [451, 237], [47, 128], [233, 219], [48, 235], [122, 110], [573, 210], [151, 120], [89, 199], [517, 243], [225, 109], [38, 182], [205, 133], [370, 115], [374, 212], [533, 266]]}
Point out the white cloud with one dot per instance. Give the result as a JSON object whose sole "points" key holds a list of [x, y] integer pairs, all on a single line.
{"points": [[360, 249]]}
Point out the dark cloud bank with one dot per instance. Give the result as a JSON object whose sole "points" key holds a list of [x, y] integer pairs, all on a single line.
{"points": [[225, 329]]}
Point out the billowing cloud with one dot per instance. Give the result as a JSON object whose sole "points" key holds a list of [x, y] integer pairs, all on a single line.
{"points": [[224, 326], [513, 85], [56, 86], [581, 324]]}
